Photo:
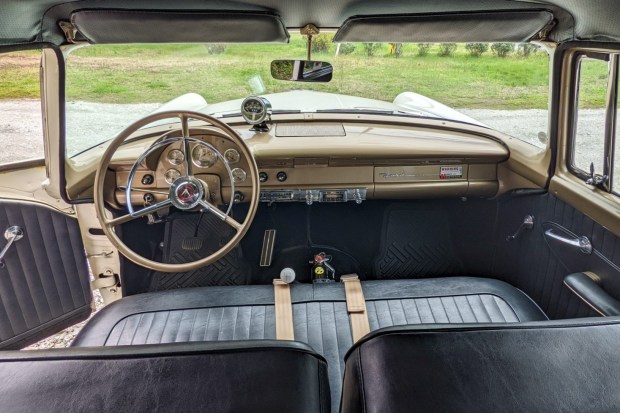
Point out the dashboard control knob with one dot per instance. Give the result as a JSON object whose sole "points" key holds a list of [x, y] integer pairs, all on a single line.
{"points": [[281, 176], [148, 198], [262, 176], [147, 179], [238, 197], [287, 275], [357, 196]]}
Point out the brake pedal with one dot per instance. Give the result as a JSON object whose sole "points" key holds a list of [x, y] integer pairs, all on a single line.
{"points": [[269, 240]]}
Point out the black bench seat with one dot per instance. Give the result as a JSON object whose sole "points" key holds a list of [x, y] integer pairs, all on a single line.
{"points": [[319, 314]]}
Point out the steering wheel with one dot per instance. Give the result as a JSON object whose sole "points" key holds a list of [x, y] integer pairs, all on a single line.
{"points": [[186, 193]]}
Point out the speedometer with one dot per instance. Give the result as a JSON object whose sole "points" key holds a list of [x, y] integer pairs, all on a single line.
{"points": [[255, 110], [203, 157]]}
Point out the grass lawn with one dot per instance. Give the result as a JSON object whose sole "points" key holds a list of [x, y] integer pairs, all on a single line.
{"points": [[157, 73]]}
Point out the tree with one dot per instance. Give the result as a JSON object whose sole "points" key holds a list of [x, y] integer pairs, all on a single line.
{"points": [[525, 49], [322, 42]]}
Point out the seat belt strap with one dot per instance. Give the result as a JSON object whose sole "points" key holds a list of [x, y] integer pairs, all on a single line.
{"points": [[356, 306], [284, 310]]}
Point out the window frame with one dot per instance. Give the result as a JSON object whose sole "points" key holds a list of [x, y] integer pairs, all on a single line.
{"points": [[609, 132]]}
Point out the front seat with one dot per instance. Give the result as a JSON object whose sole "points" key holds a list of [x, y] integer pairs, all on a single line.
{"points": [[564, 366], [319, 314], [240, 376]]}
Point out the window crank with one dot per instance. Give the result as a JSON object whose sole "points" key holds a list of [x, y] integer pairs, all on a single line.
{"points": [[12, 234], [527, 224]]}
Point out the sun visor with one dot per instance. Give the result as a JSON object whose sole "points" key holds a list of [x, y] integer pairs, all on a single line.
{"points": [[505, 26], [141, 26]]}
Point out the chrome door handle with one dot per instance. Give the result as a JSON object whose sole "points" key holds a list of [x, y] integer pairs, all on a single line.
{"points": [[582, 243], [12, 234]]}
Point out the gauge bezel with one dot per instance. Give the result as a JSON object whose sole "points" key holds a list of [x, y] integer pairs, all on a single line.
{"points": [[232, 150], [172, 161], [256, 118], [169, 170], [197, 163], [245, 174]]}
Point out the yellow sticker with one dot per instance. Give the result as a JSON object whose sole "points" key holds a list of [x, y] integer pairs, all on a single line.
{"points": [[319, 270]]}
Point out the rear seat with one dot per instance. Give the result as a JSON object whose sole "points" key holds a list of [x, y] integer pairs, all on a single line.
{"points": [[319, 313]]}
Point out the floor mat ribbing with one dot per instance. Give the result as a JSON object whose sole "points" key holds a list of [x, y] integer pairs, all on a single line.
{"points": [[184, 242], [404, 254]]}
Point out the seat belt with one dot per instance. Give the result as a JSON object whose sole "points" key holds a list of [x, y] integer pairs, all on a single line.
{"points": [[356, 306], [284, 310]]}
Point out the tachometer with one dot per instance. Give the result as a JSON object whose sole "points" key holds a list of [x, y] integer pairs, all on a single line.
{"points": [[255, 110], [203, 157]]}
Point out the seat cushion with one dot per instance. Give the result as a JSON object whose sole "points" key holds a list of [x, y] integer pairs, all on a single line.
{"points": [[319, 312], [240, 376], [549, 366]]}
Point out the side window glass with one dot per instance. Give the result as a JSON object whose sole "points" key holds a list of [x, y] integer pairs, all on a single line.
{"points": [[589, 133], [616, 169], [21, 130]]}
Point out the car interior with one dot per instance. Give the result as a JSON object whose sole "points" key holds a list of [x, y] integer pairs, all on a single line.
{"points": [[332, 261]]}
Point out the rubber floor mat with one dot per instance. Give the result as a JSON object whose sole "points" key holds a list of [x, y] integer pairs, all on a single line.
{"points": [[182, 243], [416, 243]]}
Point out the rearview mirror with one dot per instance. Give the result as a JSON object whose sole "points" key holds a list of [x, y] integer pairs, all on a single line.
{"points": [[302, 70]]}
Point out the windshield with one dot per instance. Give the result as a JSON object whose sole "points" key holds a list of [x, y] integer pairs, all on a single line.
{"points": [[495, 85]]}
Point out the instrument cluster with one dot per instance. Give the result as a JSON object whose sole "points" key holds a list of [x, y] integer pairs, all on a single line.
{"points": [[204, 160]]}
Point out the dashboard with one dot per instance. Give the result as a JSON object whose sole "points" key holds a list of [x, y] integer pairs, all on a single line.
{"points": [[329, 161]]}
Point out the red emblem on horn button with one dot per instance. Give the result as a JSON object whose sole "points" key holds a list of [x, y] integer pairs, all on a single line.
{"points": [[185, 193]]}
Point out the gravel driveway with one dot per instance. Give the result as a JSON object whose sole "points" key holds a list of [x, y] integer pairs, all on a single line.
{"points": [[21, 138]]}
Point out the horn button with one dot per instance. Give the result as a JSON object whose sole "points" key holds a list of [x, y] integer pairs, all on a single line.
{"points": [[186, 192]]}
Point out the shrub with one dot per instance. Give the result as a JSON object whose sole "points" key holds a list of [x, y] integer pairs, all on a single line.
{"points": [[216, 48], [321, 43], [423, 48], [371, 48], [476, 49], [525, 49], [446, 49], [501, 49], [346, 48]]}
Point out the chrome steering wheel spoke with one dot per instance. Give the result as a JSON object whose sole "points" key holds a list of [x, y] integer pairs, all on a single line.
{"points": [[138, 214], [209, 207], [186, 147]]}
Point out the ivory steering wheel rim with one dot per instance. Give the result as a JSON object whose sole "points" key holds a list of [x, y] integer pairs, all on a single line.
{"points": [[240, 228]]}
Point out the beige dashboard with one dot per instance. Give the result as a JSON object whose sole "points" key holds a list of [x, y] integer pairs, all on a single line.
{"points": [[331, 159]]}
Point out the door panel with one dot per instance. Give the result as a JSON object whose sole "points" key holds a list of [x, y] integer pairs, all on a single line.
{"points": [[530, 264], [44, 285]]}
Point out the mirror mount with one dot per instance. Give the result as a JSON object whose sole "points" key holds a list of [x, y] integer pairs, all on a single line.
{"points": [[309, 30]]}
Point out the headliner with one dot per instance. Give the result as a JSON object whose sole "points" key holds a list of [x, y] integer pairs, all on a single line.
{"points": [[31, 21]]}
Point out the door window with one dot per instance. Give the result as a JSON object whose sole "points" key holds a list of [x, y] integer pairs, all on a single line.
{"points": [[21, 125]]}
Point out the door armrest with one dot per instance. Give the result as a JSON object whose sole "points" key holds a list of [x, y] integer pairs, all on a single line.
{"points": [[587, 289]]}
